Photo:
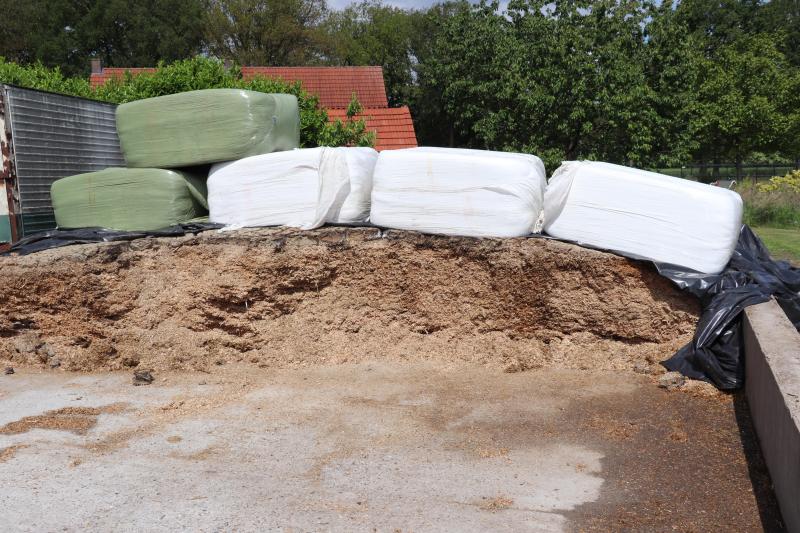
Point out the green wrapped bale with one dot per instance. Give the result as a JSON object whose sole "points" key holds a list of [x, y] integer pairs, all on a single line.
{"points": [[129, 199], [208, 126]]}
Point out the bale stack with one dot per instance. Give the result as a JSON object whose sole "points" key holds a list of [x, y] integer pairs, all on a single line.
{"points": [[258, 177], [166, 142]]}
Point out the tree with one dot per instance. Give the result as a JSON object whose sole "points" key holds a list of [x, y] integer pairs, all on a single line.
{"points": [[718, 22], [673, 62], [370, 33], [264, 32], [560, 80], [141, 33], [428, 106], [747, 101], [40, 30], [462, 74], [66, 33], [587, 64], [782, 18], [727, 79]]}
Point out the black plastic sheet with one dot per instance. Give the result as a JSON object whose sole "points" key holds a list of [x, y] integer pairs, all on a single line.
{"points": [[751, 277], [65, 237]]}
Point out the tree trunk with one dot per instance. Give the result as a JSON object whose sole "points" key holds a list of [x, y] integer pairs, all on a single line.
{"points": [[569, 153], [715, 169]]}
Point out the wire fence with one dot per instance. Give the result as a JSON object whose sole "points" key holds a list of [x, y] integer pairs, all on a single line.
{"points": [[727, 172]]}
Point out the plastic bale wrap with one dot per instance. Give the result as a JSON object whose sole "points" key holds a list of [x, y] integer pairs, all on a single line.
{"points": [[643, 214], [458, 192], [208, 126], [300, 188], [354, 207], [141, 199]]}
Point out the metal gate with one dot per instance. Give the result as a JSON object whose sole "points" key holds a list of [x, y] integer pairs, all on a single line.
{"points": [[46, 137]]}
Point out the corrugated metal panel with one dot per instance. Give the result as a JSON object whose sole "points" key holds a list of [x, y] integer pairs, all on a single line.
{"points": [[56, 136]]}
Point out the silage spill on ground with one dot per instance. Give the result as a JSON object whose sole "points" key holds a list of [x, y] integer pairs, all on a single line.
{"points": [[282, 298]]}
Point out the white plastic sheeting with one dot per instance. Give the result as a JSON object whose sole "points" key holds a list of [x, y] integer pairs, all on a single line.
{"points": [[458, 192], [643, 214], [356, 204], [301, 188]]}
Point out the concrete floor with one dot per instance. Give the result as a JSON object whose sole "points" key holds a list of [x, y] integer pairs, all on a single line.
{"points": [[373, 448]]}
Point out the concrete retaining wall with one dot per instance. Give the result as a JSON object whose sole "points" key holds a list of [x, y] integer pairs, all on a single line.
{"points": [[772, 384]]}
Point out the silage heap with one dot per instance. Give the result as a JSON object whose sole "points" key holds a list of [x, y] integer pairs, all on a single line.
{"points": [[280, 297]]}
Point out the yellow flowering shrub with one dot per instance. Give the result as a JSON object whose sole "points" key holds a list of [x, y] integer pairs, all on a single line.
{"points": [[788, 183]]}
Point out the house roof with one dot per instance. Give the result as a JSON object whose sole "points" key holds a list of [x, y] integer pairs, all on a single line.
{"points": [[392, 125], [96, 79], [333, 85]]}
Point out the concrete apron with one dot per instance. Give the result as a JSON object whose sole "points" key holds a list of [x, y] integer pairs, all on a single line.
{"points": [[368, 447], [309, 456]]}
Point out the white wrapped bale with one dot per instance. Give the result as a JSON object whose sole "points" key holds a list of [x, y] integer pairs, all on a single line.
{"points": [[643, 214], [458, 192], [299, 188], [356, 204]]}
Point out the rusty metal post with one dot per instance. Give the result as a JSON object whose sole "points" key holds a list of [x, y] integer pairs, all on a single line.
{"points": [[7, 169]]}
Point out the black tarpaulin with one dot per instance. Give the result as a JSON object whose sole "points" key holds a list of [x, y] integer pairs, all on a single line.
{"points": [[751, 277], [57, 238]]}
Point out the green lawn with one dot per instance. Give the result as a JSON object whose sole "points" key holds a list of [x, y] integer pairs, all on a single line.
{"points": [[782, 243]]}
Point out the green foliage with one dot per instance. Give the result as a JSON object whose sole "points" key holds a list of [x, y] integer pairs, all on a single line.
{"points": [[746, 101], [370, 33], [782, 18], [775, 203], [354, 107], [788, 184], [641, 82], [771, 215], [354, 131], [634, 82], [37, 76], [560, 80], [180, 76], [263, 32], [190, 75], [66, 33]]}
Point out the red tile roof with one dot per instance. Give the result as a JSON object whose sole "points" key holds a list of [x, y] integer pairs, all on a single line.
{"points": [[393, 126], [98, 79], [334, 85]]}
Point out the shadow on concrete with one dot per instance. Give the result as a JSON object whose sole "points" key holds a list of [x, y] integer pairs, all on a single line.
{"points": [[759, 475]]}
